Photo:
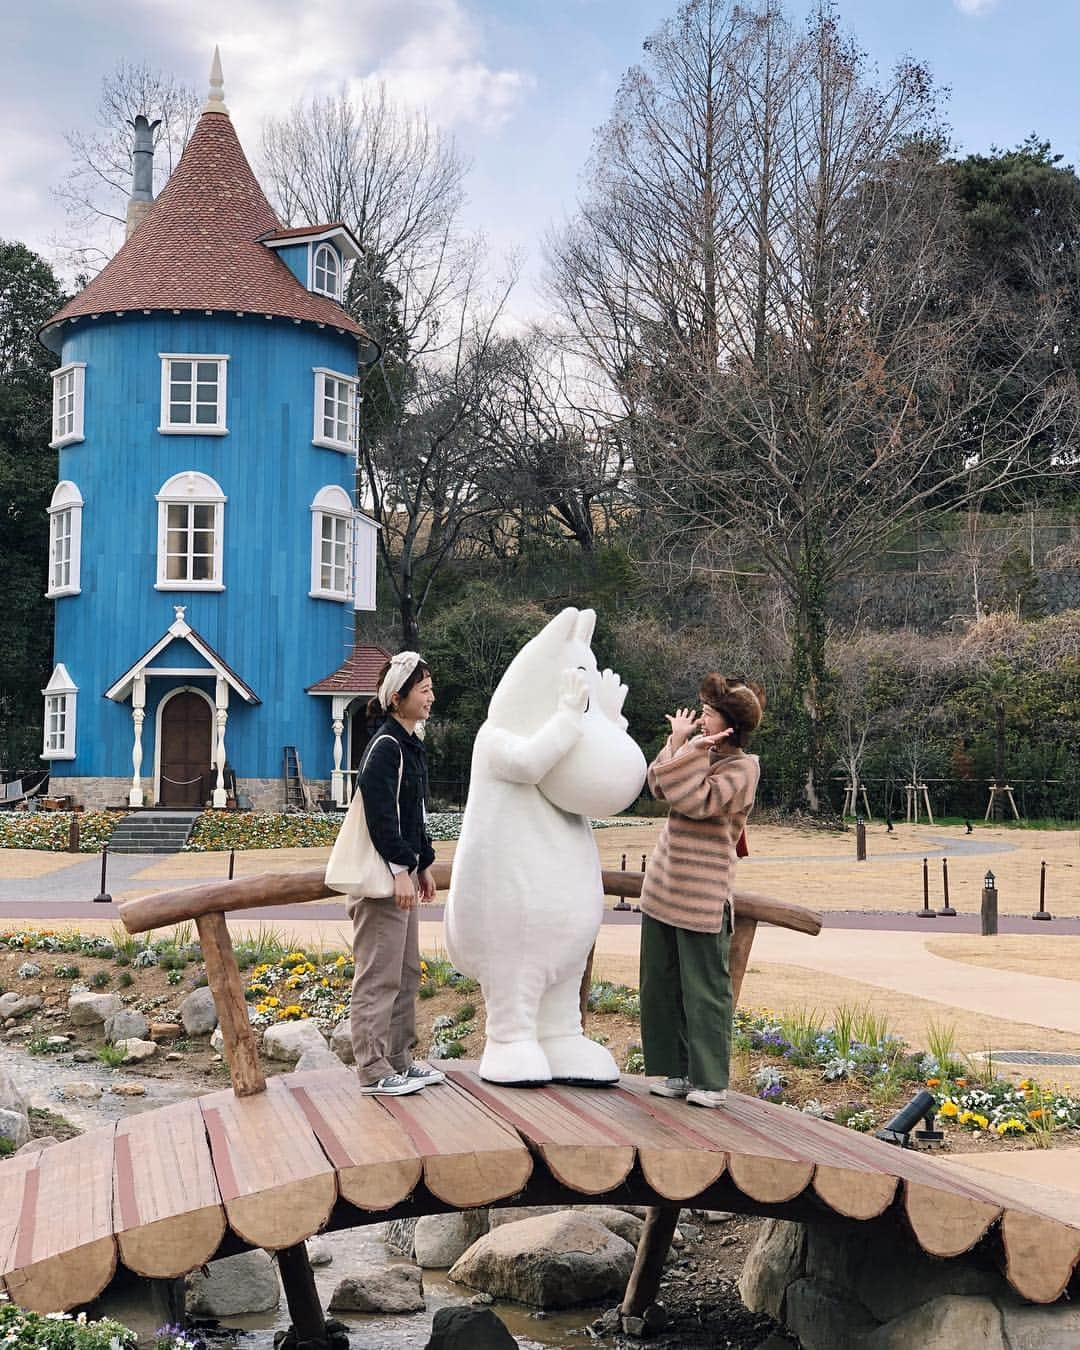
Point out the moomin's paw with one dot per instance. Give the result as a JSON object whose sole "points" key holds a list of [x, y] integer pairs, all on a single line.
{"points": [[515, 1064], [576, 1059]]}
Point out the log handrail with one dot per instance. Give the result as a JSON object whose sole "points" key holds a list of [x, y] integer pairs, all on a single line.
{"points": [[141, 914]]}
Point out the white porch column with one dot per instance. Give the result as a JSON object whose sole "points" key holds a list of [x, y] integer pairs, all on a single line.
{"points": [[337, 778], [221, 705], [138, 716]]}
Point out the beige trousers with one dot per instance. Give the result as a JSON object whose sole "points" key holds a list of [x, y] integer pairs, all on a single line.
{"points": [[386, 953]]}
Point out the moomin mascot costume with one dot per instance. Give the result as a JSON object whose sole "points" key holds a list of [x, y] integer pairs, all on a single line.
{"points": [[526, 898]]}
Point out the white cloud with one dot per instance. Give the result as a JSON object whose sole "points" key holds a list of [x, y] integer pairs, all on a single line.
{"points": [[975, 7]]}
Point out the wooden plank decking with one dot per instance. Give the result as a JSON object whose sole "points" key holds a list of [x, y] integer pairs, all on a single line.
{"points": [[160, 1191]]}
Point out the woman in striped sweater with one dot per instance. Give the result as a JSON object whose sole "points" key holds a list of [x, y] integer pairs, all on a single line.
{"points": [[709, 782]]}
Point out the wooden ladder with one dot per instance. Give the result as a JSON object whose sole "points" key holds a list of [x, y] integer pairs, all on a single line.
{"points": [[297, 794]]}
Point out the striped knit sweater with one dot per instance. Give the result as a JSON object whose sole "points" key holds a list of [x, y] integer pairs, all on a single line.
{"points": [[689, 878]]}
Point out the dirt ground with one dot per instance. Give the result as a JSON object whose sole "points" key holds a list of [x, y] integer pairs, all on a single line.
{"points": [[1058, 958]]}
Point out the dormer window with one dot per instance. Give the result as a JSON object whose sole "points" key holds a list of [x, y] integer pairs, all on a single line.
{"points": [[67, 418], [326, 272], [193, 394]]}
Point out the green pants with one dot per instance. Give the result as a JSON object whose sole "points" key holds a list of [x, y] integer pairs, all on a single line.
{"points": [[686, 1003]]}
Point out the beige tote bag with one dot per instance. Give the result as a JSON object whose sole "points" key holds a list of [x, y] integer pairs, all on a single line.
{"points": [[355, 866]]}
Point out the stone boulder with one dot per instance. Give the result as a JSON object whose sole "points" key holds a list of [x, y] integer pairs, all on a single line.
{"points": [[318, 1057], [289, 1040], [198, 1013], [824, 1319], [341, 1043], [319, 1253], [777, 1259], [91, 1010], [11, 1095], [400, 1236], [38, 1145], [468, 1329], [1039, 1327], [380, 1289], [942, 1324], [18, 1005], [80, 1092], [14, 1127], [136, 1050], [624, 1225], [554, 1261], [126, 1024], [165, 1031], [499, 1216], [236, 1285], [441, 1238]]}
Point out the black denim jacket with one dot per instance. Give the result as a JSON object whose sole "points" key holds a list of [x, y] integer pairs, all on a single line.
{"points": [[409, 845]]}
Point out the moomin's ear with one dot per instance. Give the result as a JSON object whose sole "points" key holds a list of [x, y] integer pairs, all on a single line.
{"points": [[586, 623]]}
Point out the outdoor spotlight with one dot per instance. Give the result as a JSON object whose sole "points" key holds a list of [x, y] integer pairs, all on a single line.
{"points": [[899, 1130]]}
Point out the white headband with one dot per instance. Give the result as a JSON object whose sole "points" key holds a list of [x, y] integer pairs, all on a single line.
{"points": [[401, 667]]}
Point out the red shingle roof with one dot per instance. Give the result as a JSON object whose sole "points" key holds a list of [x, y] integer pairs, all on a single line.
{"points": [[197, 247], [358, 675]]}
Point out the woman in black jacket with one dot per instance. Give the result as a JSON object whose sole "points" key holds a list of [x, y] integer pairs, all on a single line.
{"points": [[386, 948]]}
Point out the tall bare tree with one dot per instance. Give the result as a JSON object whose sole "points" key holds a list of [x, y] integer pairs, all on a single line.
{"points": [[768, 271], [95, 190]]}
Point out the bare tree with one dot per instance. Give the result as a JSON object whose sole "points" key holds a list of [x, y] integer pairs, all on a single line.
{"points": [[767, 271], [95, 190]]}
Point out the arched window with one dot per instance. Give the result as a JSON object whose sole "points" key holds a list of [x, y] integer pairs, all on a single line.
{"points": [[65, 540], [326, 272], [191, 512], [60, 696], [331, 544]]}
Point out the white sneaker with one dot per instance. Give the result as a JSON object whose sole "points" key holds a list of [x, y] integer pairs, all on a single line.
{"points": [[670, 1087], [703, 1097], [424, 1074], [393, 1085]]}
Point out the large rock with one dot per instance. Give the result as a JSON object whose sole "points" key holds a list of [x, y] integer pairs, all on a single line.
{"points": [[90, 1009], [136, 1050], [125, 1025], [1040, 1327], [468, 1329], [38, 1145], [555, 1261], [441, 1238], [624, 1225], [15, 1127], [197, 1012], [823, 1319], [498, 1217], [80, 1092], [380, 1289], [942, 1324], [319, 1057], [18, 1005], [341, 1043], [289, 1040], [777, 1259], [247, 1283], [11, 1095]]}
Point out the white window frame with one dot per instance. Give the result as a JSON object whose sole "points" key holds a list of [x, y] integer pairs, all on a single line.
{"points": [[66, 505], [332, 503], [61, 694], [313, 264], [190, 488], [167, 427], [75, 372], [318, 433]]}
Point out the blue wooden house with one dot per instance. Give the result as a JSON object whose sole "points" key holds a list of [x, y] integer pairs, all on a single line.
{"points": [[206, 553]]}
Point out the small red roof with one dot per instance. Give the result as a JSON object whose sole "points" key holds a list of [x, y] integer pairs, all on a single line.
{"points": [[358, 675], [198, 246]]}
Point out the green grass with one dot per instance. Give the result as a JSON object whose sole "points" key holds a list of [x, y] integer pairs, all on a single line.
{"points": [[111, 1055]]}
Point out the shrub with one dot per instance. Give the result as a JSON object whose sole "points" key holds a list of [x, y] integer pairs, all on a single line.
{"points": [[100, 979], [111, 1055], [125, 979], [60, 1331], [67, 972]]}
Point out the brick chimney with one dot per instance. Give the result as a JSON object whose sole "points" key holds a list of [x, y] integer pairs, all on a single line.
{"points": [[142, 177]]}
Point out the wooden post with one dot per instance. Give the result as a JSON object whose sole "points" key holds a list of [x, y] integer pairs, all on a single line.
{"points": [[73, 834], [652, 1250], [742, 939], [860, 840], [308, 1321], [223, 975], [989, 912]]}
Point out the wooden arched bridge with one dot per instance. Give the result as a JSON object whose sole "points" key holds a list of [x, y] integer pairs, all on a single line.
{"points": [[269, 1163]]}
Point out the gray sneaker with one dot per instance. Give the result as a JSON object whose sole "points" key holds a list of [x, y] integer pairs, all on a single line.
{"points": [[703, 1097], [393, 1085], [670, 1087], [424, 1074]]}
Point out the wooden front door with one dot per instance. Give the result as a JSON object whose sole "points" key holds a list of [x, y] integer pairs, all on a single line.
{"points": [[185, 751]]}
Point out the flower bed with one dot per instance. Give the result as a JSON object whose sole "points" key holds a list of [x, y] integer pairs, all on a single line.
{"points": [[59, 1331], [51, 830]]}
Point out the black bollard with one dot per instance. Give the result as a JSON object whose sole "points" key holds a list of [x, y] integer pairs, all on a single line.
{"points": [[860, 839], [967, 826], [989, 913], [103, 898], [947, 911], [623, 902], [1042, 914], [926, 912], [232, 862]]}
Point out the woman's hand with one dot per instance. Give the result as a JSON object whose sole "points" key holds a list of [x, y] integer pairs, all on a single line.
{"points": [[427, 886], [684, 722], [707, 742], [405, 890]]}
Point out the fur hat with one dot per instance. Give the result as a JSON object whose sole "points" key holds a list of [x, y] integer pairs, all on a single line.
{"points": [[740, 701]]}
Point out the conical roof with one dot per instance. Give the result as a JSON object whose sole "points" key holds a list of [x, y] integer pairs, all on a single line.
{"points": [[198, 246]]}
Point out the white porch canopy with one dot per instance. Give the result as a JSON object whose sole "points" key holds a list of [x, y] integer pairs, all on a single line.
{"points": [[133, 683]]}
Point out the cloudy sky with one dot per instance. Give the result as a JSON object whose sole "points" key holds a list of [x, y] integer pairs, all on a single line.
{"points": [[521, 84]]}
